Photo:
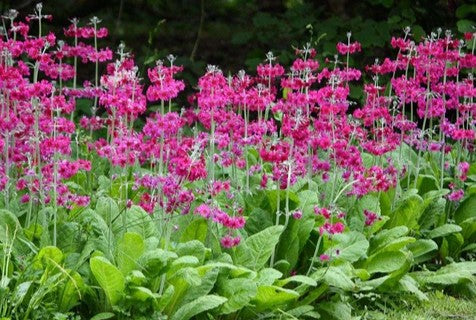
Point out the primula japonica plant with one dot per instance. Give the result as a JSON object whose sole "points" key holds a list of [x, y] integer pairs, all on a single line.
{"points": [[269, 194]]}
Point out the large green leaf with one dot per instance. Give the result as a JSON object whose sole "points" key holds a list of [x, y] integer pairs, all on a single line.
{"points": [[386, 262], [434, 211], [299, 279], [259, 219], [351, 245], [335, 310], [192, 248], [422, 249], [9, 225], [267, 276], [198, 306], [49, 256], [273, 199], [255, 251], [72, 290], [109, 278], [155, 261], [409, 284], [466, 209], [208, 278], [469, 230], [107, 208], [407, 213], [238, 291], [196, 230], [334, 276], [396, 244], [384, 237], [451, 274], [103, 235], [137, 220], [444, 230], [129, 250], [298, 231], [270, 297]]}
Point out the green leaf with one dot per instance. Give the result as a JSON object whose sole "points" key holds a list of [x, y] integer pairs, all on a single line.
{"points": [[235, 271], [142, 294], [335, 310], [465, 10], [421, 249], [138, 221], [386, 262], [48, 257], [192, 248], [107, 208], [444, 230], [305, 311], [198, 306], [451, 274], [469, 229], [433, 212], [352, 246], [334, 276], [239, 293], [259, 219], [109, 278], [407, 213], [385, 237], [409, 284], [270, 297], [103, 316], [208, 278], [465, 25], [155, 261], [255, 251], [299, 279], [273, 199], [128, 251], [426, 183], [71, 292], [104, 237], [9, 226], [196, 230], [298, 231], [396, 244], [267, 276], [466, 209], [21, 290]]}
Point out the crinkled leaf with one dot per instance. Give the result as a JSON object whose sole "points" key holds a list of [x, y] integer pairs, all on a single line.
{"points": [[255, 251], [198, 306], [196, 230], [270, 297], [239, 293], [351, 245], [386, 262], [421, 249], [128, 251], [444, 230], [109, 278]]}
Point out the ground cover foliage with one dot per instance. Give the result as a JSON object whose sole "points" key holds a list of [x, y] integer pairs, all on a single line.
{"points": [[271, 195]]}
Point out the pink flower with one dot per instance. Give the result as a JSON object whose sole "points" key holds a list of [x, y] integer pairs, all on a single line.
{"points": [[456, 195], [370, 217], [297, 215], [229, 241], [324, 257]]}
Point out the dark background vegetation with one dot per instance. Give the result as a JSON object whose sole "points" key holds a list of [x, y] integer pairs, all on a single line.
{"points": [[236, 34]]}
